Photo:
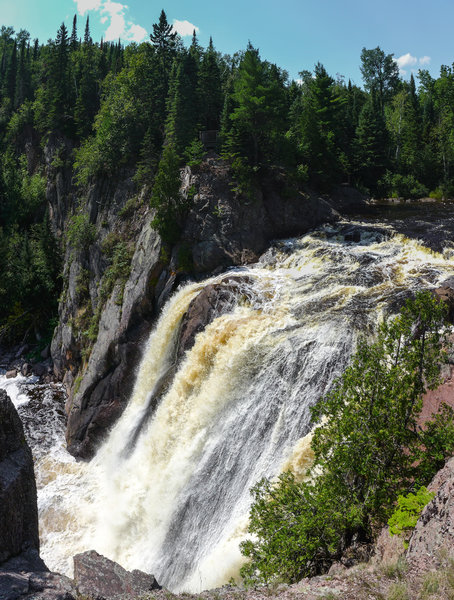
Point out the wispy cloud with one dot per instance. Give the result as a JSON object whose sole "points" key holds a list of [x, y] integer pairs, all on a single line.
{"points": [[407, 61], [113, 15], [184, 28]]}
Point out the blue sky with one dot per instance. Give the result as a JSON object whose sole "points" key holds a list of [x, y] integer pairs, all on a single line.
{"points": [[295, 34]]}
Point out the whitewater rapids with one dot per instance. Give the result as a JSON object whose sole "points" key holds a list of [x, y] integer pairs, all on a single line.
{"points": [[170, 494]]}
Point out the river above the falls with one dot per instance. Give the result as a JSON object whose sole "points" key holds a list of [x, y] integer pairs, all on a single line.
{"points": [[168, 492]]}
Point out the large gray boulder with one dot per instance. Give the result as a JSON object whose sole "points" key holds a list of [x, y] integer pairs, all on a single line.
{"points": [[213, 301], [98, 577], [26, 577]]}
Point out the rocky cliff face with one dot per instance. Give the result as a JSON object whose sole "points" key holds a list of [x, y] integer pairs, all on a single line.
{"points": [[18, 508], [22, 573], [433, 537], [118, 273]]}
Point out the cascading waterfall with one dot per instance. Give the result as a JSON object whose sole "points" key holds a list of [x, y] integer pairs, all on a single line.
{"points": [[169, 494]]}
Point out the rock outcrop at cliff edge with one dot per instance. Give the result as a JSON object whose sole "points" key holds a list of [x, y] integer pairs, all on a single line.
{"points": [[433, 537], [18, 507], [221, 229]]}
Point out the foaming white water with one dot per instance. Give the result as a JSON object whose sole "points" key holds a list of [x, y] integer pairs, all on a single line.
{"points": [[168, 492], [16, 388]]}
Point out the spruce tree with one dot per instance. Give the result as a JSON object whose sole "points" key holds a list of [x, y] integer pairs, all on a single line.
{"points": [[210, 90], [371, 144], [73, 41], [87, 36]]}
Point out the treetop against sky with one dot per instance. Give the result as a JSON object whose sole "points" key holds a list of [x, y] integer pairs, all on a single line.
{"points": [[295, 34]]}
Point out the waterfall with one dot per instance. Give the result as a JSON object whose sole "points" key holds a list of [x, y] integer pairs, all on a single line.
{"points": [[169, 491]]}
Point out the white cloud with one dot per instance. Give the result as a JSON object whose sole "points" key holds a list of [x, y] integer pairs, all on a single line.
{"points": [[136, 33], [406, 60], [116, 13], [184, 28], [84, 5], [113, 14]]}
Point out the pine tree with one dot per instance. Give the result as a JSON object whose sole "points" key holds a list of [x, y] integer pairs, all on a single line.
{"points": [[163, 36], [182, 105], [371, 144], [87, 36], [210, 90], [164, 40], [11, 73], [316, 121], [259, 115], [73, 41]]}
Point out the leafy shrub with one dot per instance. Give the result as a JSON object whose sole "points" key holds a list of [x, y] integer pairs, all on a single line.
{"points": [[437, 194], [20, 119], [401, 186], [129, 208], [243, 175], [80, 233], [194, 153], [408, 511]]}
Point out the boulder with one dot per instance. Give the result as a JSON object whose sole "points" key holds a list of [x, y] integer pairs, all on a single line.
{"points": [[213, 301], [18, 506], [98, 577], [11, 374], [26, 577], [433, 536], [26, 369]]}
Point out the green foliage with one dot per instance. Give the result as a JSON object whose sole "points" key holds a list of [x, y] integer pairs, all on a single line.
{"points": [[437, 194], [395, 185], [194, 153], [408, 511], [380, 73], [243, 175], [30, 285], [129, 208], [80, 233], [437, 443], [366, 446], [185, 260], [166, 198], [316, 124], [259, 110]]}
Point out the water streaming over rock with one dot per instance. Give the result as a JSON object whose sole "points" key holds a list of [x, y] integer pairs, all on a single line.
{"points": [[168, 492]]}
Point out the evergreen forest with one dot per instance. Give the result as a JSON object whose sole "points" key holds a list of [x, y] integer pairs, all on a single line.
{"points": [[140, 108]]}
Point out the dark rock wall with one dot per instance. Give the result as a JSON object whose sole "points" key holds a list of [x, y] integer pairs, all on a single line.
{"points": [[18, 507]]}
